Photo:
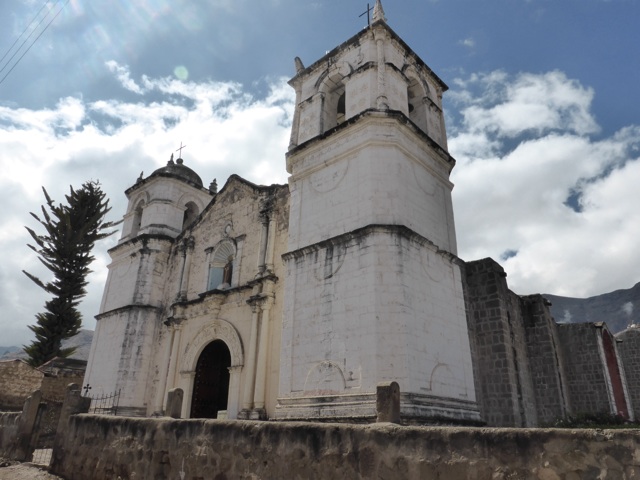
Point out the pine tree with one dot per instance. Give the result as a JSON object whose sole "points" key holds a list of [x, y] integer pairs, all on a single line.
{"points": [[65, 249]]}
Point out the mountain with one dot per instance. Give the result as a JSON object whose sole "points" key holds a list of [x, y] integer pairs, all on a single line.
{"points": [[8, 350], [82, 341], [618, 309]]}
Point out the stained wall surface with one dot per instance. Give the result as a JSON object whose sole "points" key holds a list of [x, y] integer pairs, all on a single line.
{"points": [[112, 447]]}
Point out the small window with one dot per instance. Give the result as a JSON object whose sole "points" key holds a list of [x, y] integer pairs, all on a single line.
{"points": [[221, 266]]}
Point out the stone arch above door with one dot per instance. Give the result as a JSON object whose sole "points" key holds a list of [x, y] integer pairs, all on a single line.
{"points": [[216, 330]]}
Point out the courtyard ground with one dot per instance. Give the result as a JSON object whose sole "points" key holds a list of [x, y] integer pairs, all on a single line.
{"points": [[25, 471]]}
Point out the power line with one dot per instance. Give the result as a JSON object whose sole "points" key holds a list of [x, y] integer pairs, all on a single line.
{"points": [[25, 29], [32, 43], [25, 41]]}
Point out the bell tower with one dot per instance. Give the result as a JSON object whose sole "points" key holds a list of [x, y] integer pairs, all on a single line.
{"points": [[373, 289], [161, 208]]}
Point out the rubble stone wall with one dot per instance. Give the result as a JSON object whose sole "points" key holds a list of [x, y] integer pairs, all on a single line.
{"points": [[99, 448], [8, 432], [54, 387], [18, 380]]}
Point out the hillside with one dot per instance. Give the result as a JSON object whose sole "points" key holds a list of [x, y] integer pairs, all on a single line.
{"points": [[618, 309], [82, 341]]}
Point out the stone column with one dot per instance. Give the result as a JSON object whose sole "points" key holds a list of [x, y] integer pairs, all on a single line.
{"points": [[186, 405], [187, 250], [263, 245], [382, 103], [165, 369], [73, 404], [259, 412], [249, 379], [23, 447], [270, 243], [266, 238], [295, 124], [388, 402], [174, 402], [234, 391], [175, 352], [205, 285]]}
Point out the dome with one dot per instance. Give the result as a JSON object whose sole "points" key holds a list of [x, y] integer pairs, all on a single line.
{"points": [[180, 171]]}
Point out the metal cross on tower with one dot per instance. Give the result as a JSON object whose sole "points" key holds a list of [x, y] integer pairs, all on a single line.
{"points": [[368, 14], [180, 150]]}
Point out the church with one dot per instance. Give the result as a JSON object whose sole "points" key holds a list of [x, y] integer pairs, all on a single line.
{"points": [[293, 302]]}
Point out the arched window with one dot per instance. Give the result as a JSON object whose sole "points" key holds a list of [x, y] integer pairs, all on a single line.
{"points": [[416, 96], [335, 101], [190, 214], [137, 218], [221, 266]]}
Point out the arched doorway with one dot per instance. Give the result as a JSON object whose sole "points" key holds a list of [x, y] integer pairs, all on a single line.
{"points": [[211, 382]]}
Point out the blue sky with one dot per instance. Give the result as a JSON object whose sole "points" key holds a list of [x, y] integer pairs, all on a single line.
{"points": [[542, 116]]}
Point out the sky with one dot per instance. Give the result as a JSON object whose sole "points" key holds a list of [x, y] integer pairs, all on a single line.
{"points": [[542, 117]]}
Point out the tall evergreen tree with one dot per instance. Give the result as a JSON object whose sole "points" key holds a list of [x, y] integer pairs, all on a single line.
{"points": [[71, 231]]}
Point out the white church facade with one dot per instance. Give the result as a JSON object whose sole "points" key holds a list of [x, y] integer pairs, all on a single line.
{"points": [[293, 302]]}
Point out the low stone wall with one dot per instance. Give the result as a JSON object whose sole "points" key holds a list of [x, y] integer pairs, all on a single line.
{"points": [[8, 432], [99, 448]]}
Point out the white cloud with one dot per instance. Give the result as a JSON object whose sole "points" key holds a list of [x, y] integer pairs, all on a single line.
{"points": [[226, 129], [532, 179], [468, 42], [124, 77], [528, 103]]}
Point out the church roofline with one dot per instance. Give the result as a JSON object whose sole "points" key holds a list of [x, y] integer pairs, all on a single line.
{"points": [[355, 39], [254, 186], [232, 178]]}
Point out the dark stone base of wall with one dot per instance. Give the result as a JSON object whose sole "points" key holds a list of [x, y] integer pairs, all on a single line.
{"points": [[110, 447]]}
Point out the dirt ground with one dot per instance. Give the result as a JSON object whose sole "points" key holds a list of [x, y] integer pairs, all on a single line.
{"points": [[25, 471]]}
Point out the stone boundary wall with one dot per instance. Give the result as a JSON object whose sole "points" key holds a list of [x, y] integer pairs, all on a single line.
{"points": [[99, 447]]}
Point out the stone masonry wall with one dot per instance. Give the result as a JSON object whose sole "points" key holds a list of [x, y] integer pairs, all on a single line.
{"points": [[54, 387], [546, 360], [629, 346], [18, 380], [501, 368], [126, 448], [586, 381]]}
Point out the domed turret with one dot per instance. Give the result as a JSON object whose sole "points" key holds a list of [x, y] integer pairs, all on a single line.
{"points": [[180, 171], [166, 202]]}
